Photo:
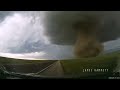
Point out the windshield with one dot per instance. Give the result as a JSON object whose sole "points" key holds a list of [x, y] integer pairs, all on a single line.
{"points": [[58, 43]]}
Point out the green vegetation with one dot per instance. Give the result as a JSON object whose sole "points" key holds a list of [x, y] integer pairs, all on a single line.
{"points": [[73, 67], [4, 60]]}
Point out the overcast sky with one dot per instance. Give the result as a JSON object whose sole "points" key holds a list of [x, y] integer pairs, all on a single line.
{"points": [[18, 34]]}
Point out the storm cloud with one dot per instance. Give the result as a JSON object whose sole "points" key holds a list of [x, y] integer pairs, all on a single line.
{"points": [[36, 31]]}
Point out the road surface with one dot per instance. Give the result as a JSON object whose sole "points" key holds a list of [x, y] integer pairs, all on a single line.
{"points": [[54, 70]]}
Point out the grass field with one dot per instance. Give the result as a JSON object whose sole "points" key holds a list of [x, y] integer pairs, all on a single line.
{"points": [[4, 60], [73, 67]]}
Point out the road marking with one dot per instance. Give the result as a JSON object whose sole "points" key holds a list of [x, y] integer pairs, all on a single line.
{"points": [[45, 68]]}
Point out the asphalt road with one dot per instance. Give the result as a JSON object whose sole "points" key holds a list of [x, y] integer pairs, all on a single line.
{"points": [[54, 70]]}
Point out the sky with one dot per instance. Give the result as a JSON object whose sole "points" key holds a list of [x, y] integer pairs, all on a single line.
{"points": [[21, 36]]}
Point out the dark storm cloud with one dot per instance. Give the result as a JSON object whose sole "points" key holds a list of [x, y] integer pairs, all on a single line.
{"points": [[59, 25], [59, 29]]}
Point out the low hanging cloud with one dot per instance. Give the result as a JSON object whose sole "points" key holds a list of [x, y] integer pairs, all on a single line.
{"points": [[18, 32], [23, 32]]}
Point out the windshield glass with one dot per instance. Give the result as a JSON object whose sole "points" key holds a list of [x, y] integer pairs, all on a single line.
{"points": [[58, 43]]}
